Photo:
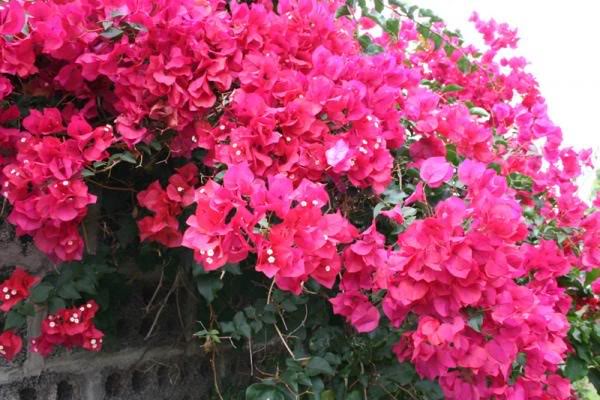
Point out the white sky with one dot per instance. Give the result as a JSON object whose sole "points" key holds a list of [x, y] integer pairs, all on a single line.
{"points": [[560, 40]]}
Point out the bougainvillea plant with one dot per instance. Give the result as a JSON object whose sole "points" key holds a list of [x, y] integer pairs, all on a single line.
{"points": [[351, 183]]}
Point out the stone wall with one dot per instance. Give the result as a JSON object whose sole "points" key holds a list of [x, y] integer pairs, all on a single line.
{"points": [[168, 366]]}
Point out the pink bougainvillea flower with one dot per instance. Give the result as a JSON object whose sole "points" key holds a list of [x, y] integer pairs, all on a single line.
{"points": [[435, 171], [16, 288], [45, 122], [69, 327], [12, 18], [337, 153], [417, 195], [10, 345], [5, 87], [357, 309]]}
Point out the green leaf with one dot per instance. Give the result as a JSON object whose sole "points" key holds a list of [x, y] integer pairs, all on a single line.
{"points": [[480, 112], [452, 155], [451, 88], [14, 320], [464, 65], [437, 40], [430, 389], [592, 276], [319, 365], [68, 291], [343, 11], [86, 285], [354, 395], [241, 324], [128, 157], [519, 181], [86, 173], [328, 395], [208, 286], [424, 30], [392, 26], [475, 321], [55, 304], [378, 208], [112, 33], [379, 5], [264, 391], [367, 44], [594, 377], [575, 369], [40, 293]]}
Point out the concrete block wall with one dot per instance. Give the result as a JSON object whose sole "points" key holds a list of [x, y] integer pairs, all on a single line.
{"points": [[167, 366], [159, 373]]}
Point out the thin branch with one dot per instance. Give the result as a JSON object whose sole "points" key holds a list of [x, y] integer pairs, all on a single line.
{"points": [[162, 306]]}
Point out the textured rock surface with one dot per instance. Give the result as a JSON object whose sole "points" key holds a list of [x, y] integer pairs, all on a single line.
{"points": [[20, 251], [136, 370]]}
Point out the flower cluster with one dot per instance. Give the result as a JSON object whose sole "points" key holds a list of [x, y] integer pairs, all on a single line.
{"points": [[69, 327], [43, 182], [293, 116], [16, 288], [166, 206], [224, 229], [10, 345]]}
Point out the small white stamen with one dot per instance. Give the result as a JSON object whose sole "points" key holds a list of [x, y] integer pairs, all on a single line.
{"points": [[327, 268], [210, 252], [52, 324], [269, 251], [7, 297], [194, 139], [13, 292], [209, 260], [238, 152], [315, 202], [234, 145], [222, 127], [271, 259], [65, 183], [303, 203], [5, 290], [179, 189]]}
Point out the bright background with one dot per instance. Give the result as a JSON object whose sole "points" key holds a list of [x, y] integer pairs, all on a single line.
{"points": [[560, 40]]}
